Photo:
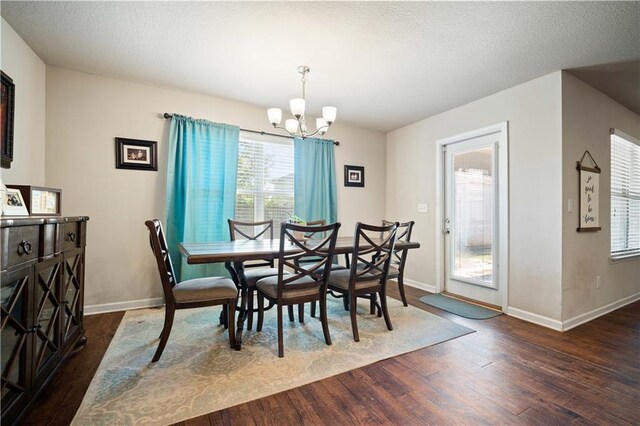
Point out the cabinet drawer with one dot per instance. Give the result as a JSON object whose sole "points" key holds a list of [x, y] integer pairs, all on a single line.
{"points": [[71, 235], [19, 244]]}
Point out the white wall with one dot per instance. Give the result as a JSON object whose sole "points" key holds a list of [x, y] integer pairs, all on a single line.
{"points": [[533, 111], [84, 115], [587, 116], [19, 62]]}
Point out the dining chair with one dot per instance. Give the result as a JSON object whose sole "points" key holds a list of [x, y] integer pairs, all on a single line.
{"points": [[306, 261], [303, 284], [253, 270], [194, 293], [399, 258], [367, 276]]}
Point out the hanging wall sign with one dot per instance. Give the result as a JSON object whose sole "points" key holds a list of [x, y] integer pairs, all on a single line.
{"points": [[589, 195]]}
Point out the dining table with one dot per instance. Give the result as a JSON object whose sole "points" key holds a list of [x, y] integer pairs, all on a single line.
{"points": [[234, 253]]}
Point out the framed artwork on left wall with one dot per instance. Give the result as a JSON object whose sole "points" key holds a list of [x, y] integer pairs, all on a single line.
{"points": [[136, 154], [7, 108]]}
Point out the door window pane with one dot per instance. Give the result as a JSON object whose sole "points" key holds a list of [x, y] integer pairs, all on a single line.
{"points": [[473, 213]]}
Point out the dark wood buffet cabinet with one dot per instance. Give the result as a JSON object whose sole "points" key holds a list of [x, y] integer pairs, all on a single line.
{"points": [[42, 292]]}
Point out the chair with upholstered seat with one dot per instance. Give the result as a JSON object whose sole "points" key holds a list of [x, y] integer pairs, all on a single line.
{"points": [[307, 262], [302, 284], [399, 258], [367, 276], [194, 293], [252, 270]]}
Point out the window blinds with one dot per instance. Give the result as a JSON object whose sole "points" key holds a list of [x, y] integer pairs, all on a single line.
{"points": [[625, 195], [264, 181]]}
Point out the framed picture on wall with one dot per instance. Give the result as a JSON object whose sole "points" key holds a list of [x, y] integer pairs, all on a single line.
{"points": [[354, 176], [7, 107], [589, 186], [136, 154]]}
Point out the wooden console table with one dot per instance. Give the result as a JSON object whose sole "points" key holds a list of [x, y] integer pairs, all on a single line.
{"points": [[42, 293]]}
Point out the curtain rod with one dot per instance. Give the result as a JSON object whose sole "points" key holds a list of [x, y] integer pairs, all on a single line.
{"points": [[167, 116]]}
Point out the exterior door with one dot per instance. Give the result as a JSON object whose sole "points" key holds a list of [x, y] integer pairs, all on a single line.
{"points": [[471, 220]]}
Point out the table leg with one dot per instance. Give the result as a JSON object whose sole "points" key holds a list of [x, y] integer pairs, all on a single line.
{"points": [[242, 313], [234, 278]]}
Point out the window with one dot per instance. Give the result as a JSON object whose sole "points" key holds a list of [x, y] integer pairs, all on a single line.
{"points": [[265, 180], [625, 195]]}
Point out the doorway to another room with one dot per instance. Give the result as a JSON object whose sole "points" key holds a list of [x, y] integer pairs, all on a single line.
{"points": [[473, 222]]}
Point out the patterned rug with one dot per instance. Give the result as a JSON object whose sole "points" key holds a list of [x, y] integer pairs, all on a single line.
{"points": [[198, 372]]}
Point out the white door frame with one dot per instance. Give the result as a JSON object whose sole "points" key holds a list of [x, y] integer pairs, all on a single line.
{"points": [[502, 156]]}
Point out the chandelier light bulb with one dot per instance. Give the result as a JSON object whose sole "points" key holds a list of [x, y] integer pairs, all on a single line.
{"points": [[329, 114], [297, 107], [321, 125], [275, 116], [291, 125]]}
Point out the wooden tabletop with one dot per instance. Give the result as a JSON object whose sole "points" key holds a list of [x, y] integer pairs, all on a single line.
{"points": [[241, 250]]}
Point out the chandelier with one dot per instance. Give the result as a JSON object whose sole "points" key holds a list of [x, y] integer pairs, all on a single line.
{"points": [[297, 127]]}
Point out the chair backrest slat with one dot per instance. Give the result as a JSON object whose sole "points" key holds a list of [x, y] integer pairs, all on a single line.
{"points": [[319, 222], [293, 236], [373, 248], [163, 259], [404, 235], [252, 231]]}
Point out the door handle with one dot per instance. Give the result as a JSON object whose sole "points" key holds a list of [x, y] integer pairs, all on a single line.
{"points": [[445, 228]]}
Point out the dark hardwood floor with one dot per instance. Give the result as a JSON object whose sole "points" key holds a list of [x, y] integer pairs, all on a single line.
{"points": [[508, 372]]}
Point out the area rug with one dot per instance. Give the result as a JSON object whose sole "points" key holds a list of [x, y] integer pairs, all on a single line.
{"points": [[458, 307], [198, 372]]}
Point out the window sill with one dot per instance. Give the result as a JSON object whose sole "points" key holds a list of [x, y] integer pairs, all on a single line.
{"points": [[623, 258]]}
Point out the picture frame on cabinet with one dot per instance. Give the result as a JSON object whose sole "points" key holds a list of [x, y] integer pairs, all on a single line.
{"points": [[13, 203], [41, 201]]}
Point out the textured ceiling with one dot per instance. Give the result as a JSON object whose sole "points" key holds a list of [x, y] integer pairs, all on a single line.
{"points": [[384, 65]]}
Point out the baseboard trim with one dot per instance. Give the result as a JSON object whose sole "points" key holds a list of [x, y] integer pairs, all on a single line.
{"points": [[534, 318], [419, 285], [598, 312], [123, 306]]}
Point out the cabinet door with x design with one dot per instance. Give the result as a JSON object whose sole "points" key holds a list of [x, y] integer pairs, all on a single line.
{"points": [[42, 280]]}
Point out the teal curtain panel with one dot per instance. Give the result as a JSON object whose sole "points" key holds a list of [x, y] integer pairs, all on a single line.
{"points": [[315, 193], [201, 188]]}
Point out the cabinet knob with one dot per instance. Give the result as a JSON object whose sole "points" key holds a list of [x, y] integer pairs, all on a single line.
{"points": [[72, 236], [24, 247], [34, 328]]}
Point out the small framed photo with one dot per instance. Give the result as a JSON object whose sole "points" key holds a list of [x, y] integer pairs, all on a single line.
{"points": [[41, 201], [136, 154], [13, 203], [354, 176]]}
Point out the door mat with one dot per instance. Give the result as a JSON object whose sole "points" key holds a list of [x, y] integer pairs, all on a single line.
{"points": [[458, 307]]}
